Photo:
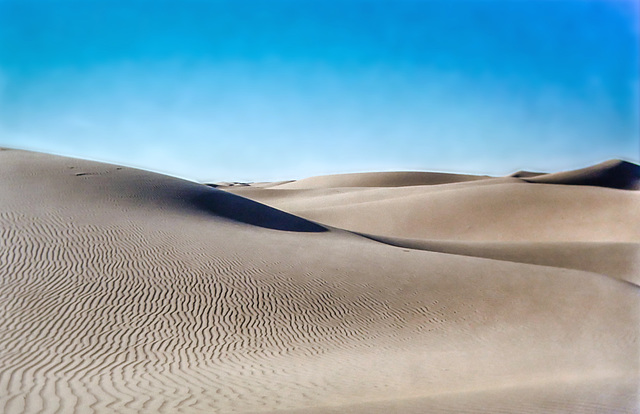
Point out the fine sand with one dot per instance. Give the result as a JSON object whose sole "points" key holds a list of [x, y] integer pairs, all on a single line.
{"points": [[126, 291]]}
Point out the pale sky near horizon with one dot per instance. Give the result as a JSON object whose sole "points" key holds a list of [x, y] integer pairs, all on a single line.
{"points": [[267, 90]]}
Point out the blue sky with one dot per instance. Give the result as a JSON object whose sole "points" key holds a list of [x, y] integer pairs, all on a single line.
{"points": [[267, 90]]}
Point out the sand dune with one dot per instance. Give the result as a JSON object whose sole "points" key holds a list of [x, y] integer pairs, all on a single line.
{"points": [[525, 174], [378, 179], [611, 174], [128, 291]]}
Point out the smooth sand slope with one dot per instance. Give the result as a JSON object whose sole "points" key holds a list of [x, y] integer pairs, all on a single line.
{"points": [[125, 291], [618, 260]]}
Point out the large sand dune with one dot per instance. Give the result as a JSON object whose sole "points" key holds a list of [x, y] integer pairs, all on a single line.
{"points": [[127, 291]]}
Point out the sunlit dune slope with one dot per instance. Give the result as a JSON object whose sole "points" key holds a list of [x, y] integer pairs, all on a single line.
{"points": [[378, 179], [618, 260]]}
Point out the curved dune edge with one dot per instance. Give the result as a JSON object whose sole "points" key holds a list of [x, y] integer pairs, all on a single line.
{"points": [[610, 174], [618, 260], [119, 293], [525, 174], [139, 188]]}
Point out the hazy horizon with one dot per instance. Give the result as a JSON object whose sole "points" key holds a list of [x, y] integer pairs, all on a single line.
{"points": [[259, 91]]}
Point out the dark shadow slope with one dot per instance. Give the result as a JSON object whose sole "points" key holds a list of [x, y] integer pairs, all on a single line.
{"points": [[612, 174], [247, 211]]}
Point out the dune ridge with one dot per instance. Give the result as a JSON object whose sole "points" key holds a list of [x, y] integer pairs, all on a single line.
{"points": [[128, 291], [618, 260], [525, 174], [611, 174], [377, 179]]}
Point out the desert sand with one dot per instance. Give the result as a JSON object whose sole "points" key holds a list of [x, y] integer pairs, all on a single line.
{"points": [[126, 291]]}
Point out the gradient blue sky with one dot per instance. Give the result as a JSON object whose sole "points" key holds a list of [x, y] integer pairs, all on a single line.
{"points": [[266, 90]]}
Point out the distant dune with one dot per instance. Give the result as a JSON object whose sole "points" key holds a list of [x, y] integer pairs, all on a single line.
{"points": [[525, 174], [387, 179], [132, 292], [610, 174], [500, 209]]}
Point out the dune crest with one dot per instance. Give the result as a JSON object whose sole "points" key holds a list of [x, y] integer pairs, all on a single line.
{"points": [[379, 179], [611, 174], [525, 174]]}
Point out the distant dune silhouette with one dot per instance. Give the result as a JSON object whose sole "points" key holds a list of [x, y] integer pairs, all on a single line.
{"points": [[612, 174]]}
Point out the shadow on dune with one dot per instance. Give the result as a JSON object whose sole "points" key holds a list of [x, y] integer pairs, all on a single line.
{"points": [[243, 210], [73, 181], [616, 174]]}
